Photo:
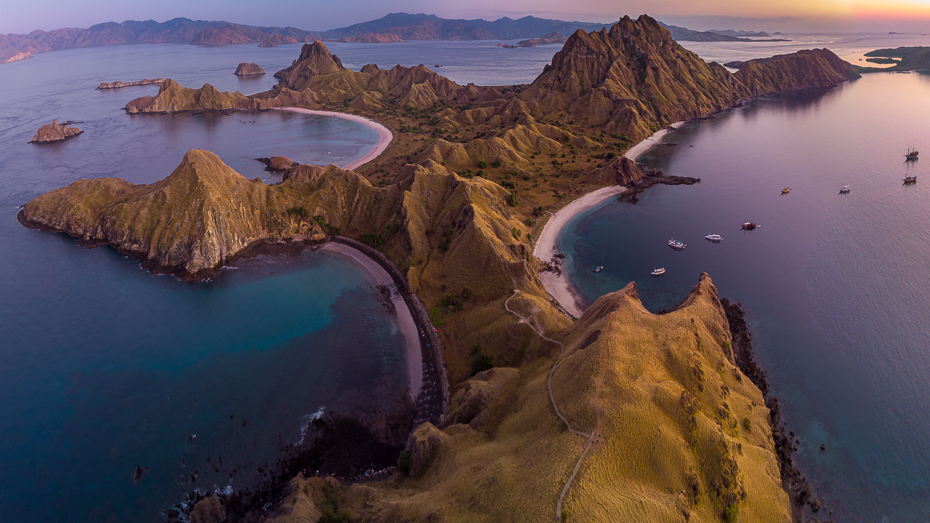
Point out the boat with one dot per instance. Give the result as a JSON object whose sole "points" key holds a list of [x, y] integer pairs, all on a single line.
{"points": [[749, 226], [910, 179], [658, 272], [678, 245], [911, 154], [844, 189], [785, 190], [597, 268], [716, 238]]}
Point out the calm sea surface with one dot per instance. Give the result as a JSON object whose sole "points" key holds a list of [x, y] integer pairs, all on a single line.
{"points": [[104, 367], [836, 286]]}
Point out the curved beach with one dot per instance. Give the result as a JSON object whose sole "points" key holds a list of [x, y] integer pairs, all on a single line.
{"points": [[557, 284], [379, 277], [384, 134]]}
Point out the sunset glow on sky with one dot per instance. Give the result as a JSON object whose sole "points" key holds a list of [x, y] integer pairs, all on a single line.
{"points": [[23, 16]]}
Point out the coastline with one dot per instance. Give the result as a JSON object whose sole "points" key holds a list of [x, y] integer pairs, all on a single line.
{"points": [[637, 150], [384, 134], [557, 284], [379, 277]]}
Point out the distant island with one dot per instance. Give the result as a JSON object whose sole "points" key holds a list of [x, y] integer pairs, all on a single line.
{"points": [[248, 69], [120, 85], [392, 28], [904, 58]]}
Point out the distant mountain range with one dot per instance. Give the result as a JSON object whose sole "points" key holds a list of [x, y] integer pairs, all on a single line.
{"points": [[390, 28]]}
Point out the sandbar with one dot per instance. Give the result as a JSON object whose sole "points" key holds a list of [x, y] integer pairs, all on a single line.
{"points": [[408, 327], [384, 134]]}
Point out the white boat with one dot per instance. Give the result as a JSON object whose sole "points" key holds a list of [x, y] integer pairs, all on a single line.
{"points": [[716, 238], [678, 245], [844, 189], [658, 272]]}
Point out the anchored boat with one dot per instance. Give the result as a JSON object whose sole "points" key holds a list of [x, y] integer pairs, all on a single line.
{"points": [[597, 268], [716, 238], [911, 154], [844, 189], [678, 245], [658, 272], [749, 226], [910, 180], [785, 190]]}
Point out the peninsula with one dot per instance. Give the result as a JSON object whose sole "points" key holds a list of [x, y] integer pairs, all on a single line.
{"points": [[619, 415], [120, 85]]}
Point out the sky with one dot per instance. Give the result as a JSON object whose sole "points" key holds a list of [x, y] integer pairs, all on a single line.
{"points": [[24, 16]]}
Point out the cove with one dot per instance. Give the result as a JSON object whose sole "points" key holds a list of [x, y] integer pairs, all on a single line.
{"points": [[834, 285]]}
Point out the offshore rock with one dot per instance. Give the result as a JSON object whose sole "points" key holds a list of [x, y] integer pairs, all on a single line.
{"points": [[248, 69], [55, 132]]}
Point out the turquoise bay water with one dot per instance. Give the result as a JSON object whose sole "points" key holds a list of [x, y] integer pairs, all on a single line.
{"points": [[104, 367], [835, 286]]}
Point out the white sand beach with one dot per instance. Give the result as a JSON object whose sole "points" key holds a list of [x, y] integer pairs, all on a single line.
{"points": [[384, 134], [408, 327], [637, 150], [558, 285]]}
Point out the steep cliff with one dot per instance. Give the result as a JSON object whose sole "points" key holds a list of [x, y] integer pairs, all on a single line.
{"points": [[682, 435]]}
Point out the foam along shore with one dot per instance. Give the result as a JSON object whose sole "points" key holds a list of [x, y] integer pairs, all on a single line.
{"points": [[384, 134], [378, 276], [557, 285], [637, 150]]}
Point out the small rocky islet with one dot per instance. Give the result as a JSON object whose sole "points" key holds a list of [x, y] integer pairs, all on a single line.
{"points": [[681, 428], [55, 132]]}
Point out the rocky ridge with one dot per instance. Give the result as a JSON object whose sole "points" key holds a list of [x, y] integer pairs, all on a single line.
{"points": [[463, 240], [119, 85]]}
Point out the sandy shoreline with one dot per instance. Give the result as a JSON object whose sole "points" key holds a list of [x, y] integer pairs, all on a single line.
{"points": [[384, 134], [637, 150], [557, 285], [378, 276]]}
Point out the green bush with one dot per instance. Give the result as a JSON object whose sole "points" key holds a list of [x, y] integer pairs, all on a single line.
{"points": [[513, 199], [496, 163], [482, 164]]}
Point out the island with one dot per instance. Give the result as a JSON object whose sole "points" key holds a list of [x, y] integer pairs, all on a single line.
{"points": [[55, 132], [604, 413], [267, 43], [248, 69], [120, 85]]}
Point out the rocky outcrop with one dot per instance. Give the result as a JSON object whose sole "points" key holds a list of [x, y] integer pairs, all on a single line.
{"points": [[267, 43], [173, 98], [277, 163], [815, 68], [247, 69], [208, 510], [423, 444], [55, 132], [373, 38], [15, 57], [119, 85]]}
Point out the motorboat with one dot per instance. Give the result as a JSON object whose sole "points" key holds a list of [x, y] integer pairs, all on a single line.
{"points": [[658, 272], [750, 226], [844, 189], [910, 179], [716, 238], [785, 190], [678, 245], [597, 268]]}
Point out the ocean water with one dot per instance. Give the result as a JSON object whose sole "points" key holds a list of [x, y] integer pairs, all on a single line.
{"points": [[835, 285], [104, 367]]}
